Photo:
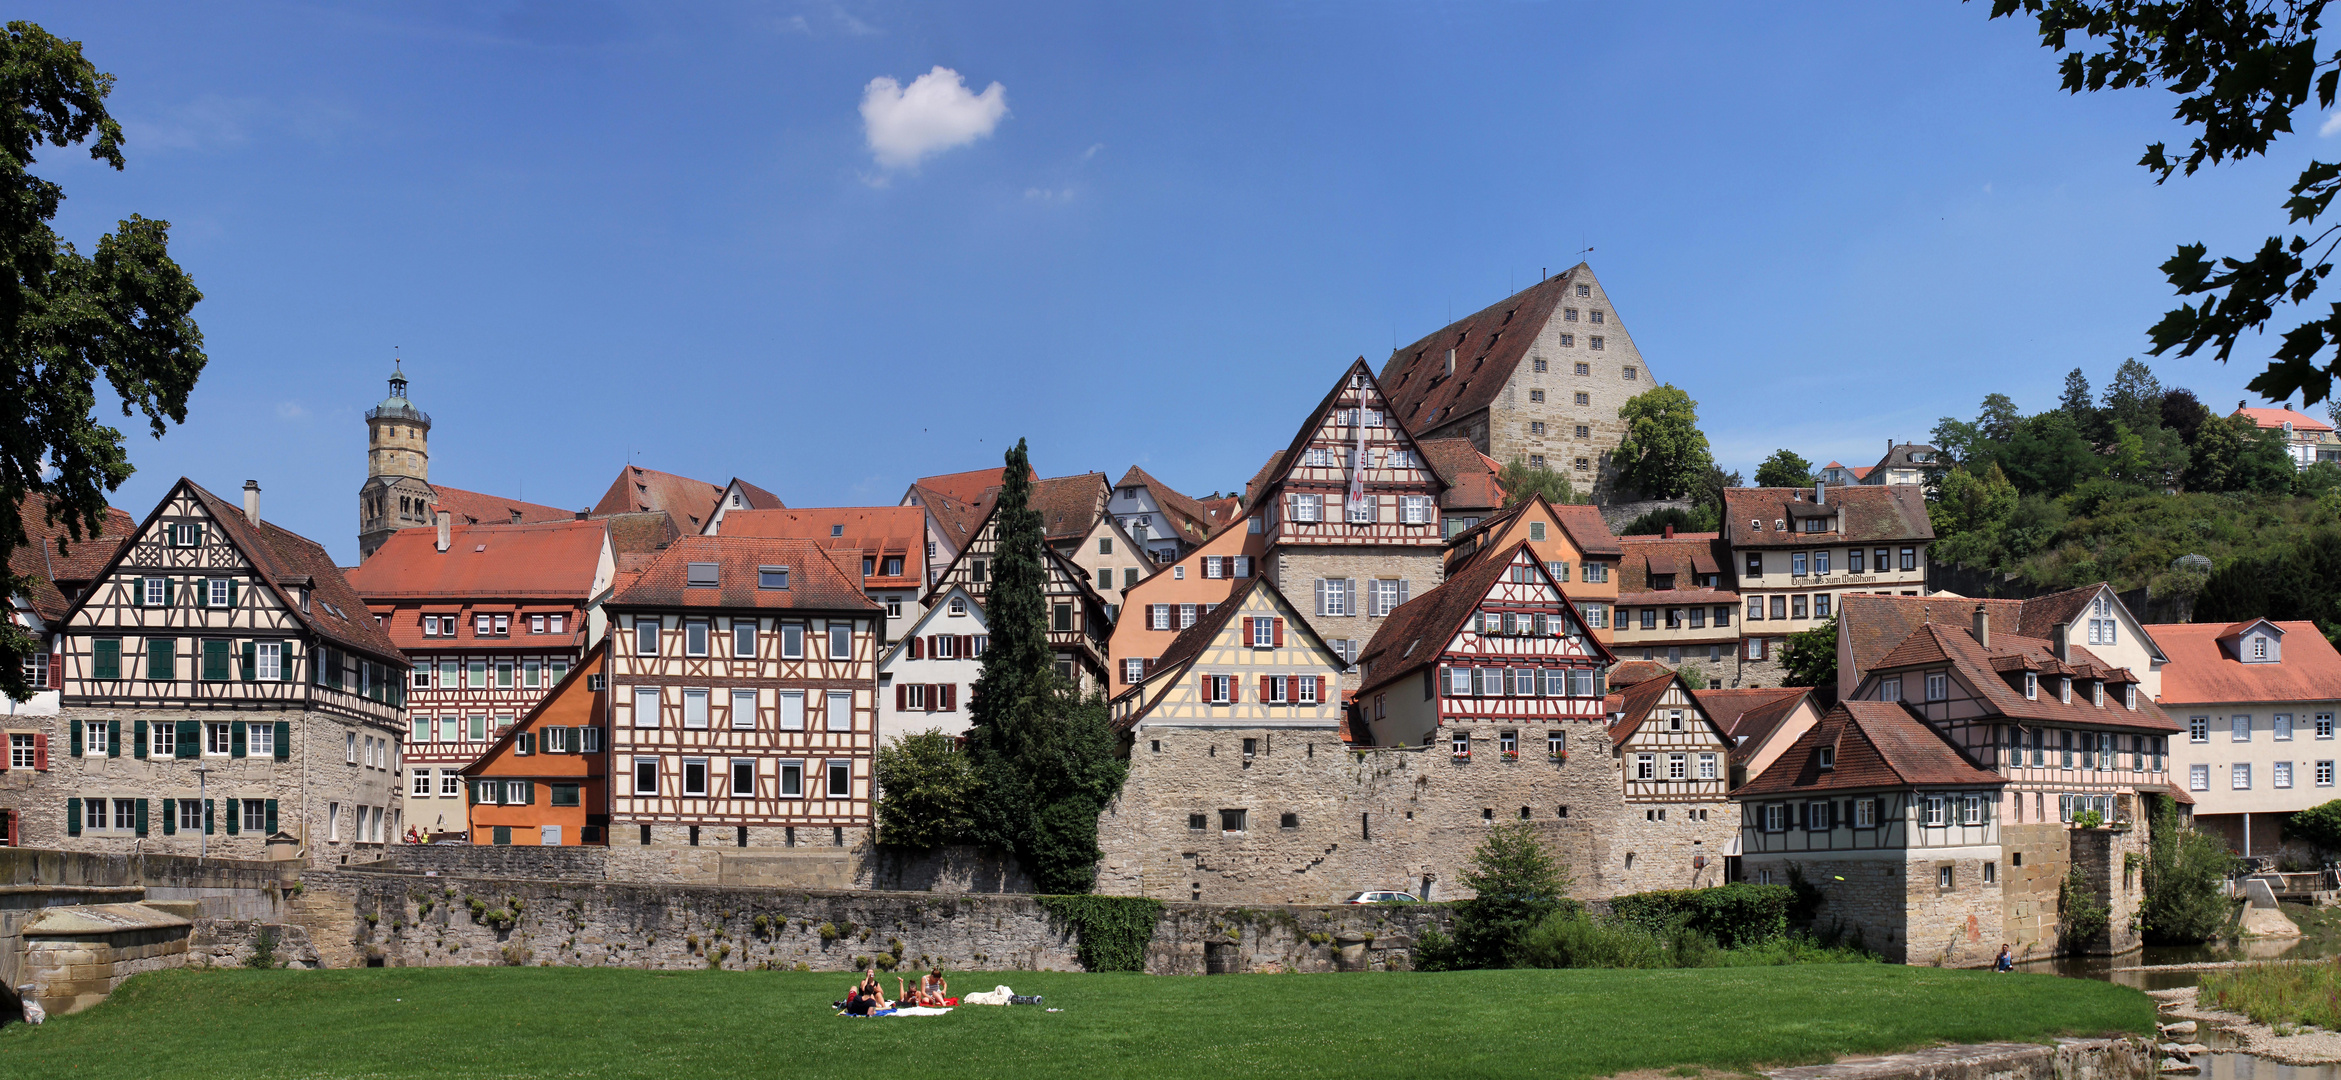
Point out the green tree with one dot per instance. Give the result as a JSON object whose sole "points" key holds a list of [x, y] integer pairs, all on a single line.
{"points": [[1784, 469], [1521, 480], [2319, 825], [2049, 455], [2185, 880], [1664, 455], [2077, 403], [1516, 883], [2183, 413], [1811, 657], [67, 318], [1043, 755], [927, 792], [1656, 522], [2134, 397], [2233, 454], [2240, 71]]}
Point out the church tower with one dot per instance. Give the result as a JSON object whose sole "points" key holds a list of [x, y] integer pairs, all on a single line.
{"points": [[397, 493]]}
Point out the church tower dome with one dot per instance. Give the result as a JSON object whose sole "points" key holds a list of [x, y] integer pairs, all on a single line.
{"points": [[397, 492]]}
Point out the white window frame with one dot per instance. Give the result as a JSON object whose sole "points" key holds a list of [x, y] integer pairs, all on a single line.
{"points": [[833, 771], [259, 739], [2198, 777], [655, 697], [2281, 774], [2239, 727], [421, 784], [840, 632], [450, 783], [640, 763], [792, 710], [833, 717], [2280, 727], [695, 709], [2324, 774], [702, 765], [2198, 729], [792, 779], [2239, 776], [743, 710]]}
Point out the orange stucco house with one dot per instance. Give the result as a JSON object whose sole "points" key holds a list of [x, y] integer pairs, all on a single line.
{"points": [[546, 780]]}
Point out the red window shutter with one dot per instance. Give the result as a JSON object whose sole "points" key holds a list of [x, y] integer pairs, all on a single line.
{"points": [[56, 671], [902, 697], [1247, 630], [1264, 688], [913, 651], [950, 697], [1280, 633], [1320, 689], [966, 645], [41, 751], [1204, 681]]}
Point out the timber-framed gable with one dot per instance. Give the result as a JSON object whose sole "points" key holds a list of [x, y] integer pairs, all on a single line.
{"points": [[1352, 476], [1080, 624]]}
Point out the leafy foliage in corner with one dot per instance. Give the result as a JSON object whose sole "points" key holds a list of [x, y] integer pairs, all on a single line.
{"points": [[1517, 885], [927, 792], [1734, 915], [1111, 932], [1656, 522], [1520, 480], [2185, 880], [1811, 657], [2240, 71], [1664, 454], [1784, 469], [1043, 756], [2319, 825], [67, 318], [2080, 916]]}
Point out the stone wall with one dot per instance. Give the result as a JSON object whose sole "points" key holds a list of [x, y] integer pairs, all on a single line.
{"points": [[1958, 925], [2105, 856], [948, 870], [1295, 568], [70, 974], [34, 880], [403, 919], [1381, 818], [1862, 901], [2037, 857]]}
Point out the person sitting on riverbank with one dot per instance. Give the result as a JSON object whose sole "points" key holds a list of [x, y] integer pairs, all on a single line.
{"points": [[2006, 960]]}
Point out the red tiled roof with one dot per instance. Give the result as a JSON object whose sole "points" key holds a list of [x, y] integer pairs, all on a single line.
{"points": [[1588, 529], [1936, 643], [1194, 521], [285, 560], [1416, 634], [553, 560], [1470, 475], [1877, 744], [50, 554], [1749, 715], [1069, 505], [1224, 511], [640, 533], [849, 533], [473, 508], [637, 489], [758, 498], [1269, 471], [2200, 672], [1488, 345], [1865, 515], [815, 582], [1634, 702], [973, 486], [2276, 418], [1636, 672], [1873, 625]]}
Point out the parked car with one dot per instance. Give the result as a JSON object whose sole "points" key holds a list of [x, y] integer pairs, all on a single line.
{"points": [[1379, 897]]}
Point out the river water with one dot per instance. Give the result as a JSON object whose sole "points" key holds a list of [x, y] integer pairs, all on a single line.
{"points": [[2150, 969]]}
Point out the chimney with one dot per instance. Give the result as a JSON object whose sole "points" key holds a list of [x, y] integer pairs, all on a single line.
{"points": [[2057, 642], [2239, 406], [446, 525], [1669, 532], [1820, 493], [1450, 362], [252, 501], [1983, 626]]}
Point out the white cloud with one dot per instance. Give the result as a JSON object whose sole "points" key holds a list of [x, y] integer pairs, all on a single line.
{"points": [[1092, 151], [1047, 195], [2331, 126], [934, 113]]}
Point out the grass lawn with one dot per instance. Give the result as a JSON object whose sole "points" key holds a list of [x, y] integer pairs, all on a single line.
{"points": [[606, 1022]]}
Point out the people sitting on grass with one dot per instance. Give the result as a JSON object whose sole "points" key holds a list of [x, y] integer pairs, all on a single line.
{"points": [[932, 990], [867, 998]]}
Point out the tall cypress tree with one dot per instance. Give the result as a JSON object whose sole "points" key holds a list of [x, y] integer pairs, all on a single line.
{"points": [[1045, 757]]}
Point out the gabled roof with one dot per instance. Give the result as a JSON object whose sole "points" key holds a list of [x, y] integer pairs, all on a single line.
{"points": [[1984, 670], [938, 610], [1634, 702], [1470, 475], [1069, 505], [1749, 715], [553, 560], [2200, 672], [1646, 557], [2041, 614], [757, 498], [1873, 625], [1281, 464], [1414, 636], [1904, 456], [2277, 418], [474, 508], [1631, 672], [637, 489], [588, 665], [1488, 344], [815, 582], [1876, 744], [1049, 556], [1180, 654], [1194, 521], [1864, 514], [284, 561], [972, 486], [1583, 525], [50, 555], [849, 533]]}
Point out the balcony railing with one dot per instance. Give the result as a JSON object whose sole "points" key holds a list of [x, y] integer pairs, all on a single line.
{"points": [[399, 412]]}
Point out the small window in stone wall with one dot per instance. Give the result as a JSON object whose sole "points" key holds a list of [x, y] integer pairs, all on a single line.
{"points": [[1288, 821], [1195, 822]]}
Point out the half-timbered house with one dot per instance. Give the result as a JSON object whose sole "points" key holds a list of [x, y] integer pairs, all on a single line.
{"points": [[1895, 827], [544, 782], [1350, 515], [1159, 608], [222, 683], [742, 697], [1674, 764], [1079, 624], [924, 678], [492, 617], [1164, 521], [1113, 560], [1574, 542]]}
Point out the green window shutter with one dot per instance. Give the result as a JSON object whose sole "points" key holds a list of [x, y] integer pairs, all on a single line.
{"points": [[215, 659], [251, 660], [142, 816], [284, 660], [73, 727], [528, 793], [231, 592], [72, 817], [272, 817], [202, 592], [107, 663], [138, 592], [113, 738], [170, 817], [162, 658], [138, 738], [210, 818], [236, 739], [235, 820], [284, 740], [188, 743]]}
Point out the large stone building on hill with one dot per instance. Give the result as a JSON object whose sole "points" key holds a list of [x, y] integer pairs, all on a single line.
{"points": [[1539, 375]]}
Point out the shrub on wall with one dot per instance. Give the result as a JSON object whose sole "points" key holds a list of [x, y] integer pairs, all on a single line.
{"points": [[1734, 915], [1111, 933]]}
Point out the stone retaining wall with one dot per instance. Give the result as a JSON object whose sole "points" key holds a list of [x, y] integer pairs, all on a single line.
{"points": [[2069, 1059], [34, 879], [404, 919]]}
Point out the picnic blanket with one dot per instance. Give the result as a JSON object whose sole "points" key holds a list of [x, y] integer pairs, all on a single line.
{"points": [[997, 995], [914, 1010]]}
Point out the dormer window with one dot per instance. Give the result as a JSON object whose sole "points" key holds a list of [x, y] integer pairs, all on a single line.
{"points": [[1825, 757], [837, 530], [2097, 693], [2031, 686], [1890, 688], [701, 575], [772, 577], [2130, 696], [2259, 647], [2065, 689]]}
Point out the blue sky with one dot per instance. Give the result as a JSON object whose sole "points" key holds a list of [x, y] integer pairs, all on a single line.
{"points": [[663, 233]]}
